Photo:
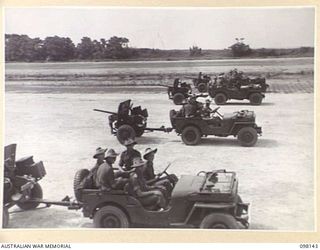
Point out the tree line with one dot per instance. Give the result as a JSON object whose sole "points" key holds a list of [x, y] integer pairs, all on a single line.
{"points": [[55, 48], [22, 48]]}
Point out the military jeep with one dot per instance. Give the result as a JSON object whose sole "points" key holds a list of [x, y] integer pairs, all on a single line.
{"points": [[223, 89], [241, 124], [207, 200]]}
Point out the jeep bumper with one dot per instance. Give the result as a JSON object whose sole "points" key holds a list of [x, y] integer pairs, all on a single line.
{"points": [[243, 216]]}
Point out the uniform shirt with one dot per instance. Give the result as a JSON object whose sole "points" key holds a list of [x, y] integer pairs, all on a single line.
{"points": [[105, 176], [148, 171], [93, 171], [136, 184], [126, 158]]}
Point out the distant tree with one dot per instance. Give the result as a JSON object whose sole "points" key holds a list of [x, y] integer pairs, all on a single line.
{"points": [[23, 48], [59, 48], [86, 49], [117, 48], [195, 51], [240, 49]]}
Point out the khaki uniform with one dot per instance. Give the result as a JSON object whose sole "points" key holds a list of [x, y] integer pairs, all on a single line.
{"points": [[106, 180], [127, 157]]}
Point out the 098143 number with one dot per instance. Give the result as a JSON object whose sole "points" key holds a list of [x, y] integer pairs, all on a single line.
{"points": [[308, 246]]}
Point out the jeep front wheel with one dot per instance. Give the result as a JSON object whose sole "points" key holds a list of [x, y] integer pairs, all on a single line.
{"points": [[125, 132], [247, 136], [220, 99], [255, 98], [191, 135], [110, 217], [178, 98], [219, 221]]}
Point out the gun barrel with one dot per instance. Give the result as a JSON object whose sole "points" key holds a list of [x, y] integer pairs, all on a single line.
{"points": [[104, 111]]}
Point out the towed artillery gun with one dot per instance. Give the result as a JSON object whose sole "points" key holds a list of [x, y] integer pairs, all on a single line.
{"points": [[21, 184], [179, 91], [129, 122]]}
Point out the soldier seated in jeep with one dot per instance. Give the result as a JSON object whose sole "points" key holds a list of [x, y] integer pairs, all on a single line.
{"points": [[149, 196]]}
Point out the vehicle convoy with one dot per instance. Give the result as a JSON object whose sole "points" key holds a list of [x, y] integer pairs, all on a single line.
{"points": [[241, 124], [21, 179], [207, 200], [129, 122], [234, 85], [179, 91]]}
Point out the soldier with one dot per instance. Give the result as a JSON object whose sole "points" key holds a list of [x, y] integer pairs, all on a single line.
{"points": [[149, 175], [105, 179], [127, 156], [90, 180], [206, 111], [147, 195]]}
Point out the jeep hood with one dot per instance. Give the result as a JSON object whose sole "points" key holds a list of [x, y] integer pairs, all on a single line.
{"points": [[188, 184], [240, 115]]}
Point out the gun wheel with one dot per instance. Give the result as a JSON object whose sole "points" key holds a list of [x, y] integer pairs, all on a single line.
{"points": [[34, 193], [125, 132], [178, 98]]}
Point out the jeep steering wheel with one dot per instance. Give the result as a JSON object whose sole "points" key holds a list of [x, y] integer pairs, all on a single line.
{"points": [[163, 172]]}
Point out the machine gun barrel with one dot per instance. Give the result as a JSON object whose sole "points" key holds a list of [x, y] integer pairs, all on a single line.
{"points": [[104, 111]]}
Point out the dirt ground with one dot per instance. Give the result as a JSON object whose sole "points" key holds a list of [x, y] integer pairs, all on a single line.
{"points": [[61, 129]]}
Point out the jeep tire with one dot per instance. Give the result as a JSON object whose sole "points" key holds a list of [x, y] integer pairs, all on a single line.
{"points": [[125, 132], [220, 99], [219, 221], [110, 217], [178, 98], [78, 182], [255, 98], [247, 136], [191, 135], [202, 87]]}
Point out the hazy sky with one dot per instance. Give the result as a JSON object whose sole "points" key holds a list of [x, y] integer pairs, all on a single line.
{"points": [[170, 28]]}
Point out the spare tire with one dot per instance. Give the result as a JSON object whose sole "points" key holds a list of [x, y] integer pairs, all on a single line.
{"points": [[178, 98], [78, 182], [125, 132]]}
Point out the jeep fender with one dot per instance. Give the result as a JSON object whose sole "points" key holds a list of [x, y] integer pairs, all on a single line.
{"points": [[239, 125], [208, 206]]}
